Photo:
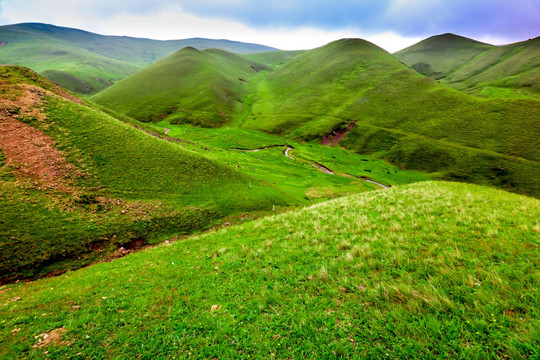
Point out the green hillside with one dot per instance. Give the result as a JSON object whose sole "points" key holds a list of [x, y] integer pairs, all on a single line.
{"points": [[440, 55], [94, 183], [87, 63], [199, 87], [488, 71], [401, 116], [430, 270], [89, 183], [391, 111], [507, 71]]}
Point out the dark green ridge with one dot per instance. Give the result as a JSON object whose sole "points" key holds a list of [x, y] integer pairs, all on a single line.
{"points": [[202, 87]]}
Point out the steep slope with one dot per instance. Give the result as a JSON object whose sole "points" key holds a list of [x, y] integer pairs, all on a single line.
{"points": [[400, 115], [429, 270], [76, 183], [479, 69], [439, 55], [85, 62], [199, 87]]}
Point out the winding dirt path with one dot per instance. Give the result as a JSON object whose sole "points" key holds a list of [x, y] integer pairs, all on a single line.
{"points": [[287, 152], [321, 167], [376, 183]]}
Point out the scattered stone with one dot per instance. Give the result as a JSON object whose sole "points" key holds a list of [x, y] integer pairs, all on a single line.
{"points": [[52, 337]]}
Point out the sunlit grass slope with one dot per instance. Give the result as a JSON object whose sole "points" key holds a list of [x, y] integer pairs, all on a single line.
{"points": [[199, 87], [87, 63], [428, 270], [115, 183], [488, 71], [400, 115]]}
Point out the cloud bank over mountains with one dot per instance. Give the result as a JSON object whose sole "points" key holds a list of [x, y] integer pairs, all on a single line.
{"points": [[291, 24]]}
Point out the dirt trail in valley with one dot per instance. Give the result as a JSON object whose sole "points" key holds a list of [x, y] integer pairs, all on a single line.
{"points": [[287, 152], [319, 166]]}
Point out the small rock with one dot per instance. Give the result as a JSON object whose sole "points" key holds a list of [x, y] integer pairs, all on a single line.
{"points": [[215, 308]]}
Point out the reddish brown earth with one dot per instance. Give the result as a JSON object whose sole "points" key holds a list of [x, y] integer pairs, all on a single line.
{"points": [[337, 135], [30, 152]]}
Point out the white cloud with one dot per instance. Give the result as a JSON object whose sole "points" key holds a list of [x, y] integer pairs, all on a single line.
{"points": [[173, 23]]}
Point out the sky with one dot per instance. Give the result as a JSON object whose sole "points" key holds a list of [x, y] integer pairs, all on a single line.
{"points": [[288, 24]]}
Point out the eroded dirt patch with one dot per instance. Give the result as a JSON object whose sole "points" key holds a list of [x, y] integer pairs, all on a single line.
{"points": [[29, 151], [337, 135], [32, 154]]}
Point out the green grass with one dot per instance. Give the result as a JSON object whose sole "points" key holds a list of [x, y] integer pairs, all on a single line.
{"points": [[439, 55], [400, 116], [87, 63], [428, 270], [298, 178]]}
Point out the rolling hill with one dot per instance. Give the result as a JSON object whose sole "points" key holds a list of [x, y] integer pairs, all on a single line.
{"points": [[439, 55], [201, 87], [428, 270], [90, 183], [85, 62], [94, 183], [489, 71], [352, 88]]}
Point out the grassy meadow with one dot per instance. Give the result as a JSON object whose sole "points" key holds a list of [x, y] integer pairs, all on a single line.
{"points": [[428, 270], [247, 237], [121, 185]]}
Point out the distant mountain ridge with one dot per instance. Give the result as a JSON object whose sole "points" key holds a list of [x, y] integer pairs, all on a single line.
{"points": [[87, 63]]}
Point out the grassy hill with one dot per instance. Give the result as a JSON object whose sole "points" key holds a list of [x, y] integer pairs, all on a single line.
{"points": [[400, 115], [439, 55], [351, 87], [476, 68], [429, 270], [92, 182], [200, 87], [89, 183], [87, 63]]}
